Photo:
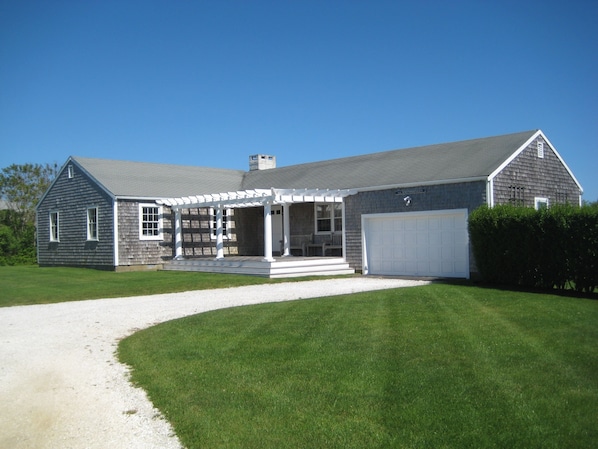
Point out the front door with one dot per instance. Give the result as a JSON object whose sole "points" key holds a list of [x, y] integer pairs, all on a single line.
{"points": [[277, 230]]}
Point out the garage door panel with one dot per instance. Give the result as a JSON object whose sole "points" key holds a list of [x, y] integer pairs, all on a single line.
{"points": [[420, 244]]}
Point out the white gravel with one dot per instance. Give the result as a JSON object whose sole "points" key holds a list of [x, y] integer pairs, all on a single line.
{"points": [[61, 385]]}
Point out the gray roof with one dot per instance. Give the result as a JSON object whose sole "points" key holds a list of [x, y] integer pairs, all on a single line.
{"points": [[149, 180], [469, 159]]}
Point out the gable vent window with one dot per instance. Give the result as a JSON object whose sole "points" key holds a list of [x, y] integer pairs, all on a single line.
{"points": [[541, 150], [71, 172]]}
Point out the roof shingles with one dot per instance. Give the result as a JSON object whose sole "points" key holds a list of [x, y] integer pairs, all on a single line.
{"points": [[433, 163]]}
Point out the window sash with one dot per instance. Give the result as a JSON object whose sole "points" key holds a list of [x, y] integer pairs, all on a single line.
{"points": [[150, 222], [541, 203], [329, 217], [54, 227], [92, 223]]}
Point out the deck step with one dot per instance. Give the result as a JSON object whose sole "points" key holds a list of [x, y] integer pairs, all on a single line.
{"points": [[279, 268]]}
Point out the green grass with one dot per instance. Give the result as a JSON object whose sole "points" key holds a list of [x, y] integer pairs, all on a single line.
{"points": [[440, 366], [24, 285]]}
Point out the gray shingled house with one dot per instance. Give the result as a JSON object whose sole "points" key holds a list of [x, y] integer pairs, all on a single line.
{"points": [[401, 212]]}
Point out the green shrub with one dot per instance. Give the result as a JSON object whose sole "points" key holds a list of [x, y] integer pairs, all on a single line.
{"points": [[17, 239], [547, 248]]}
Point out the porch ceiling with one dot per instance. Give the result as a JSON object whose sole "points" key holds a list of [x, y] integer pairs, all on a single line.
{"points": [[258, 197]]}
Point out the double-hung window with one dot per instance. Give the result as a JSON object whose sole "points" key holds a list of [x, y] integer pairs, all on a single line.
{"points": [[150, 222], [214, 223], [54, 226], [92, 223], [329, 217]]}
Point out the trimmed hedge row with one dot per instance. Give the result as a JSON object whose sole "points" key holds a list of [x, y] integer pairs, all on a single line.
{"points": [[545, 248]]}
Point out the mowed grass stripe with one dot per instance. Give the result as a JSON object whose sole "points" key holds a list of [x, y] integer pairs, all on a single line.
{"points": [[434, 366]]}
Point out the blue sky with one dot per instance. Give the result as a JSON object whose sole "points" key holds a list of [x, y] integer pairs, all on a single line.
{"points": [[211, 82]]}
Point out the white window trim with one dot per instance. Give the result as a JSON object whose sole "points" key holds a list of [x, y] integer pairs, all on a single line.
{"points": [[225, 223], [540, 200], [71, 171], [160, 235], [52, 239], [89, 236], [332, 218]]}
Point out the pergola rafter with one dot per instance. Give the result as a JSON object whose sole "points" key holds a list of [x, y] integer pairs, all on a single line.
{"points": [[257, 197]]}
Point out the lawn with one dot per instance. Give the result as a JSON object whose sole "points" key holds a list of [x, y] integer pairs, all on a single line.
{"points": [[440, 366], [23, 285]]}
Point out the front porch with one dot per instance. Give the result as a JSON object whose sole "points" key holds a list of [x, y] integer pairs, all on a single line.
{"points": [[278, 267], [279, 244]]}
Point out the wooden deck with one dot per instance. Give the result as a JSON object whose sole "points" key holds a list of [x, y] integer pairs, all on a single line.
{"points": [[281, 267]]}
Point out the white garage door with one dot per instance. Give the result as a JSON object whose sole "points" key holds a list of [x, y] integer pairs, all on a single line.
{"points": [[417, 244]]}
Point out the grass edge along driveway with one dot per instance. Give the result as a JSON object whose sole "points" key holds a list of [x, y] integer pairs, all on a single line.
{"points": [[30, 284], [426, 367]]}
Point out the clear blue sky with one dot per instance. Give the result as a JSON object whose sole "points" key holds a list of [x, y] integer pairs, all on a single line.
{"points": [[211, 82]]}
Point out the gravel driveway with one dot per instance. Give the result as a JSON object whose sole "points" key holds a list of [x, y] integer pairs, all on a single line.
{"points": [[61, 385]]}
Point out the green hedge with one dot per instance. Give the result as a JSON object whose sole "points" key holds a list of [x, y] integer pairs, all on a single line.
{"points": [[548, 248]]}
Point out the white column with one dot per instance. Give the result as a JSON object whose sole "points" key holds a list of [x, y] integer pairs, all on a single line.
{"points": [[286, 230], [268, 233], [219, 232], [178, 235]]}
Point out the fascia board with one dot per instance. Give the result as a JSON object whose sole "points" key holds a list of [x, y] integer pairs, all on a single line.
{"points": [[69, 161], [43, 197], [90, 176], [514, 155], [562, 161], [139, 198], [524, 146], [417, 184]]}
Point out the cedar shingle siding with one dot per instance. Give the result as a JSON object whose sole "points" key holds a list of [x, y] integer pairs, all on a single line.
{"points": [[529, 176], [198, 238], [71, 198], [131, 249]]}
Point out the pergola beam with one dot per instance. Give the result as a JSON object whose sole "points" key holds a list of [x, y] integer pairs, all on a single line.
{"points": [[258, 197]]}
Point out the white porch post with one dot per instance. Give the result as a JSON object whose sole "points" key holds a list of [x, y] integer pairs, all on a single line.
{"points": [[219, 232], [286, 229], [268, 233], [178, 234]]}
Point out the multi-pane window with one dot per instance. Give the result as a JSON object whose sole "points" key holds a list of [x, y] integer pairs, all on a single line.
{"points": [[561, 197], [54, 227], [150, 222], [329, 217], [214, 224], [92, 223], [517, 195]]}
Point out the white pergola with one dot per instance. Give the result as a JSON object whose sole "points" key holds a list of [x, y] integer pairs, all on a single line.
{"points": [[251, 198]]}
